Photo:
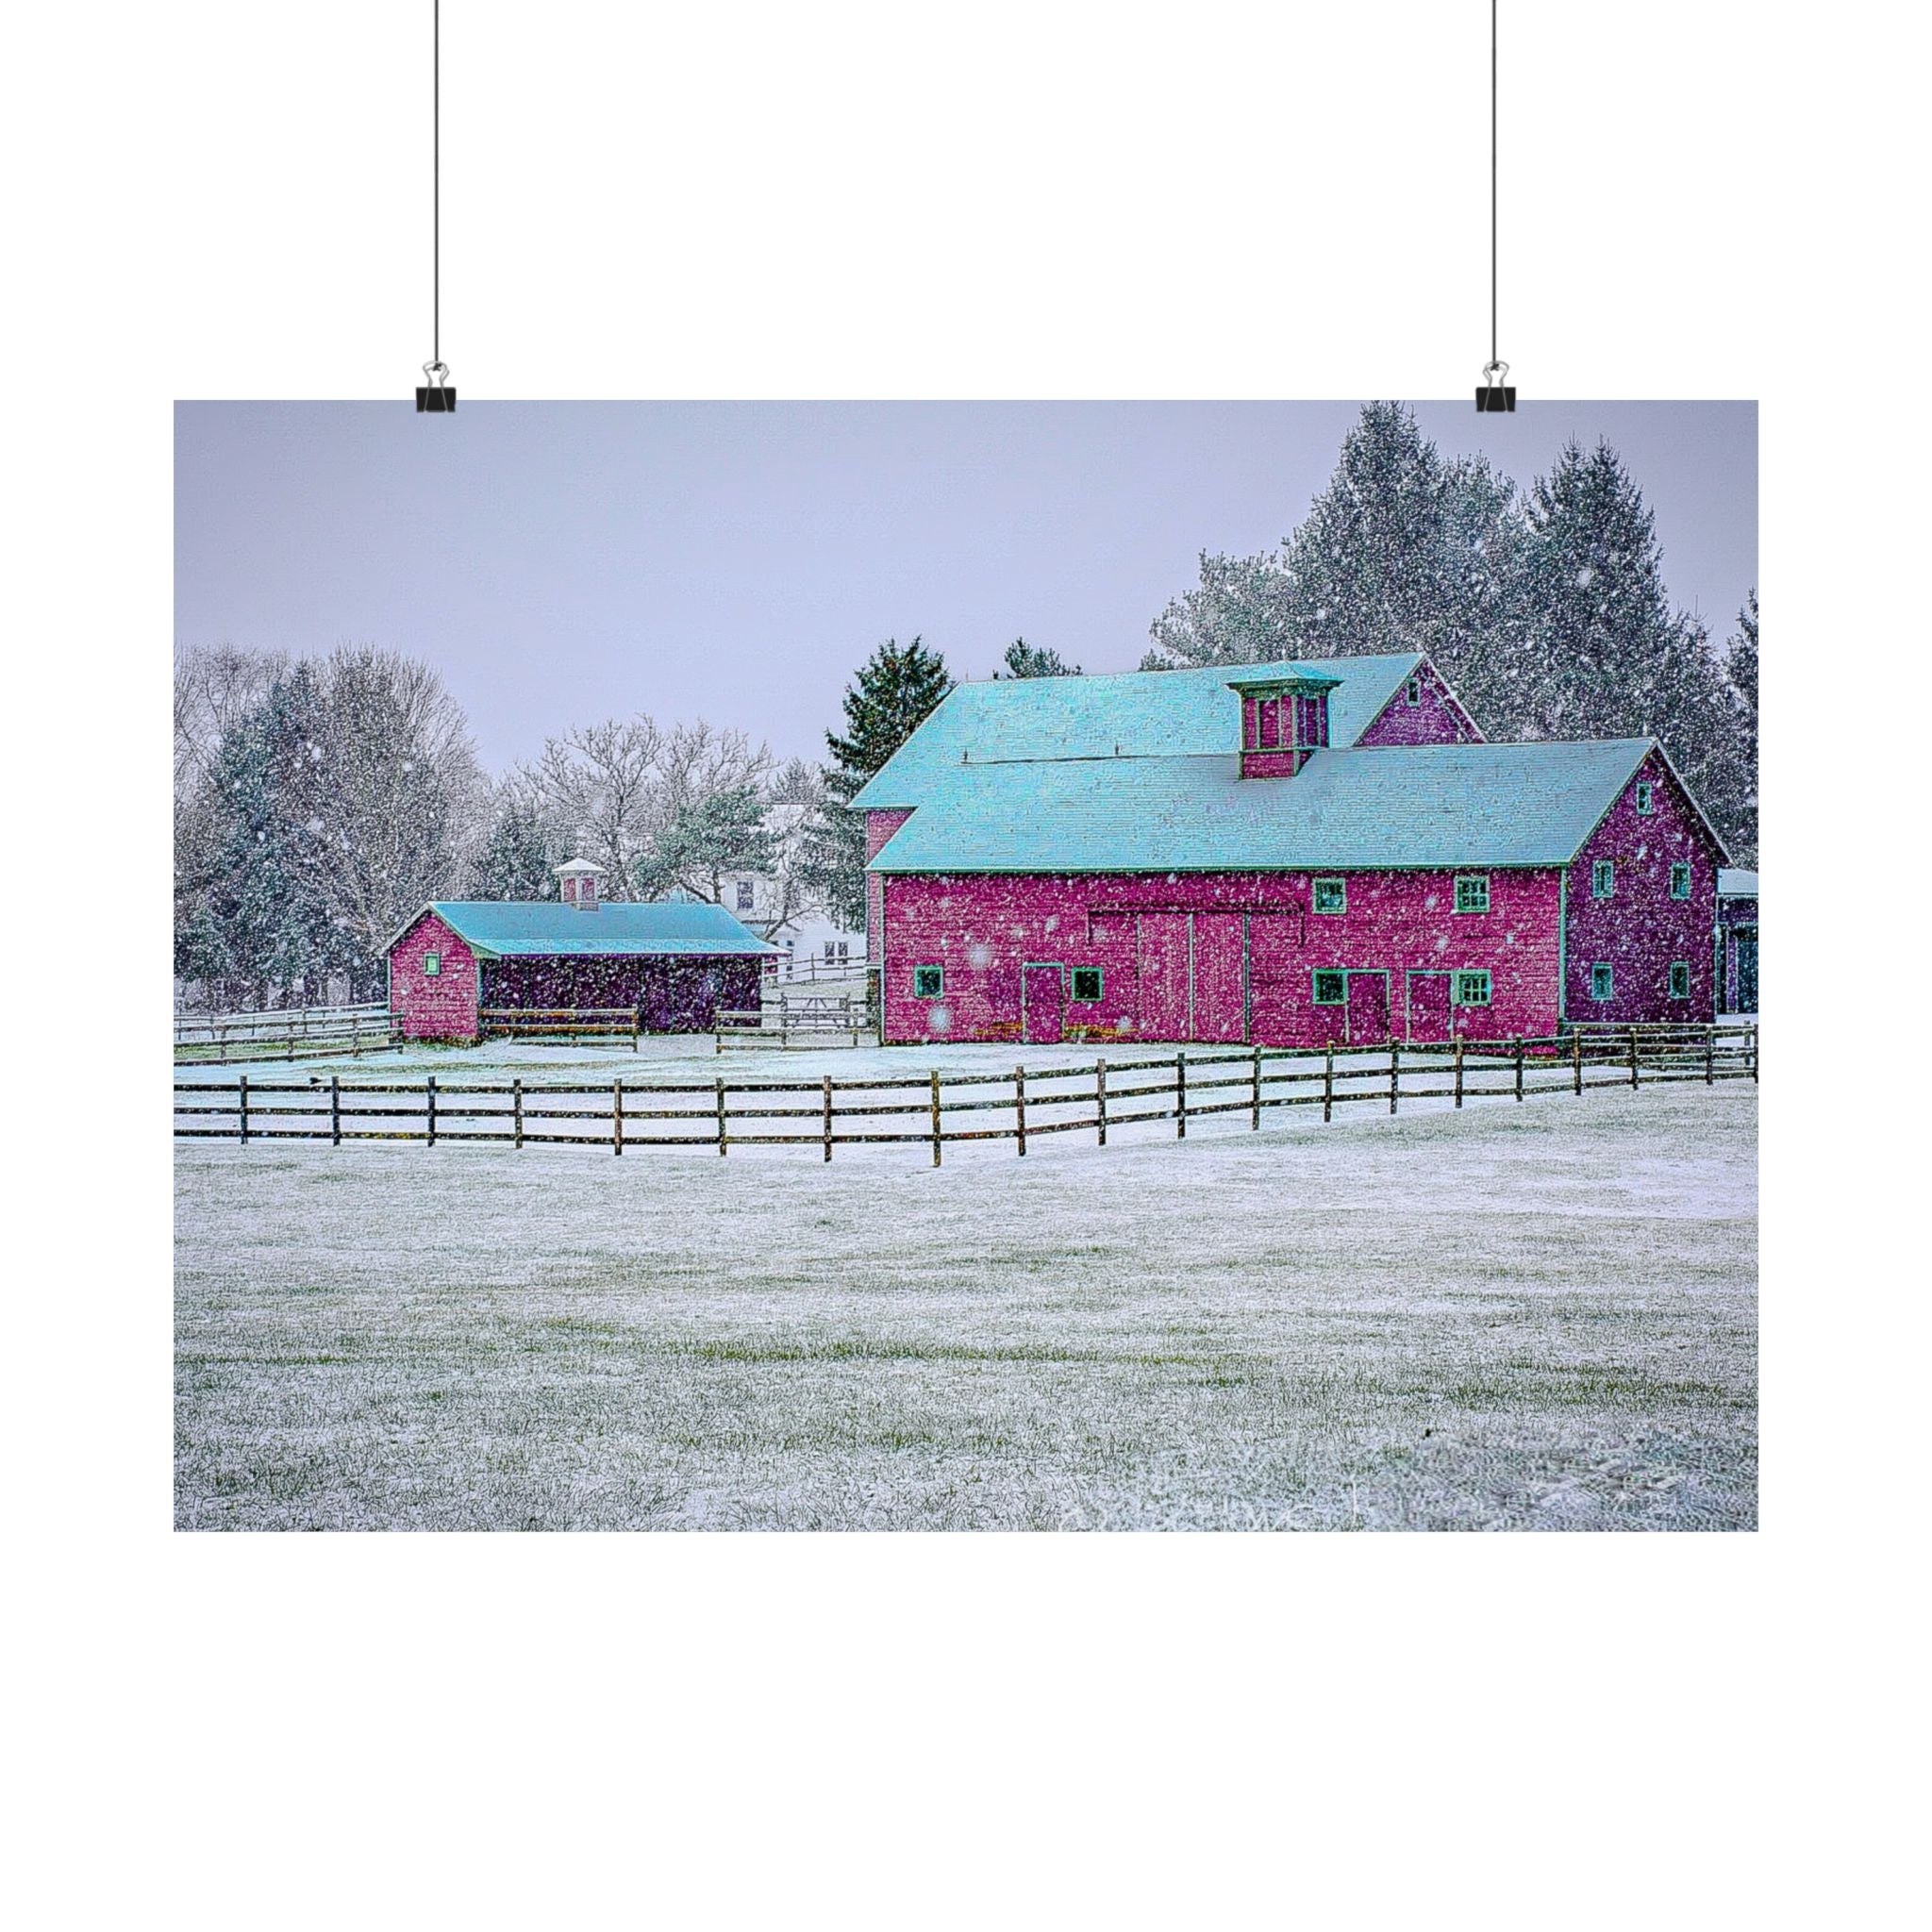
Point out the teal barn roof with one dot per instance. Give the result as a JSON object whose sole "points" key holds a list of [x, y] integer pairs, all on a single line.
{"points": [[1138, 714], [1410, 805], [548, 928]]}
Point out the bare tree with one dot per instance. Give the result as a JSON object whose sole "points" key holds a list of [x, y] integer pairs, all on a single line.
{"points": [[599, 783]]}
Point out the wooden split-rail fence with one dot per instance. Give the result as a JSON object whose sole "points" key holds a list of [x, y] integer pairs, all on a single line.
{"points": [[800, 1020], [566, 1024], [936, 1110], [288, 1033]]}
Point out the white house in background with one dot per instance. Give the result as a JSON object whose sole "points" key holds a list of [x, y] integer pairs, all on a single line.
{"points": [[806, 934]]}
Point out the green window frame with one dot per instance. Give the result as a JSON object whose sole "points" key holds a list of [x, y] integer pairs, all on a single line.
{"points": [[1414, 693], [1646, 798], [1331, 895], [1603, 982], [1472, 891], [432, 965], [1680, 979], [1470, 988], [1331, 987], [1603, 879], [1087, 983], [1680, 880], [929, 982]]}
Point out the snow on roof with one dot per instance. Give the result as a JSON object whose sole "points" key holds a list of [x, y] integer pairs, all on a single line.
{"points": [[577, 865], [1436, 805], [1733, 883], [547, 927], [1140, 713]]}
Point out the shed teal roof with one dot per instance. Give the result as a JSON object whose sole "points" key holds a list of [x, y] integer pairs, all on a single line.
{"points": [[1142, 714], [1434, 805], [548, 928]]}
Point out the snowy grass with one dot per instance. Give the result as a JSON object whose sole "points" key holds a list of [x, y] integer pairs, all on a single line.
{"points": [[1513, 1316]]}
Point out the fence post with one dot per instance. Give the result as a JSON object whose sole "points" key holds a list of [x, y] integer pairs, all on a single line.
{"points": [[1633, 1057], [1020, 1108], [429, 1088], [935, 1116], [617, 1116], [1328, 1084], [1180, 1096], [828, 1116], [516, 1108], [1458, 1072], [1394, 1074], [335, 1110], [721, 1116], [244, 1109], [1710, 1058], [1519, 1066], [635, 1015], [1577, 1061], [1254, 1122], [1752, 1045], [1100, 1098]]}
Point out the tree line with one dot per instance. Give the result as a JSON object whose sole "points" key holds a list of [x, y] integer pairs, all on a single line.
{"points": [[320, 803]]}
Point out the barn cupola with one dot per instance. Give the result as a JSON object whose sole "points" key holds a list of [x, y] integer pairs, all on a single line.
{"points": [[579, 882], [1284, 721]]}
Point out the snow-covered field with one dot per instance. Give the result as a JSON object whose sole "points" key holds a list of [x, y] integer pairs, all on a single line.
{"points": [[1536, 1316]]}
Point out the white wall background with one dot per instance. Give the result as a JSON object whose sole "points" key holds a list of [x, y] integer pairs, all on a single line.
{"points": [[1045, 199]]}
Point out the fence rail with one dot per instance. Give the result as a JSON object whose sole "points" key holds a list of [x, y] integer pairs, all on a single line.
{"points": [[798, 1020], [559, 1023], [292, 1033], [936, 1110]]}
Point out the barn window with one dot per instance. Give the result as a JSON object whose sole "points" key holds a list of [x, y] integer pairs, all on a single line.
{"points": [[432, 965], [1472, 989], [1331, 989], [1472, 891], [1331, 895], [1086, 982], [1680, 979], [1646, 798], [1415, 691], [745, 895], [1603, 982], [929, 982], [1603, 879], [1681, 881]]}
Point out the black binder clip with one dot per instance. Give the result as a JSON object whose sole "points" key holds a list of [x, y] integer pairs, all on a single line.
{"points": [[437, 396], [1495, 394]]}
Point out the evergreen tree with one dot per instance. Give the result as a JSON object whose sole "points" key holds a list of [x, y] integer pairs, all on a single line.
{"points": [[518, 860], [1035, 660], [706, 840], [268, 905], [895, 691], [1401, 552], [1741, 669]]}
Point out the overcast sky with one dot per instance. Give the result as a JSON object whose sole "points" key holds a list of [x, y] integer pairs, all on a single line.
{"points": [[562, 562]]}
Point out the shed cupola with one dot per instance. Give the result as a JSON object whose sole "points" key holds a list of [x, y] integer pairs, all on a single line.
{"points": [[578, 881], [1284, 721]]}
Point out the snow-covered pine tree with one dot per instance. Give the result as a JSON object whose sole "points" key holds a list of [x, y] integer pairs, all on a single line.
{"points": [[895, 691], [1741, 669], [1401, 552], [518, 860], [1035, 660], [267, 902], [705, 839]]}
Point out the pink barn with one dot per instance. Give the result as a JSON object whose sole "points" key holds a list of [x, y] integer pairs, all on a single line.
{"points": [[672, 963], [1294, 854]]}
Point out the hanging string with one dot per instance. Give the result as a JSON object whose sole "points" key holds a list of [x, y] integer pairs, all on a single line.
{"points": [[1495, 394], [437, 396]]}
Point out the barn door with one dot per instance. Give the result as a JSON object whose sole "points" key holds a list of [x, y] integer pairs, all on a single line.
{"points": [[1042, 1004], [1747, 972], [1163, 957], [1220, 1002], [1368, 1009], [1428, 1006]]}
